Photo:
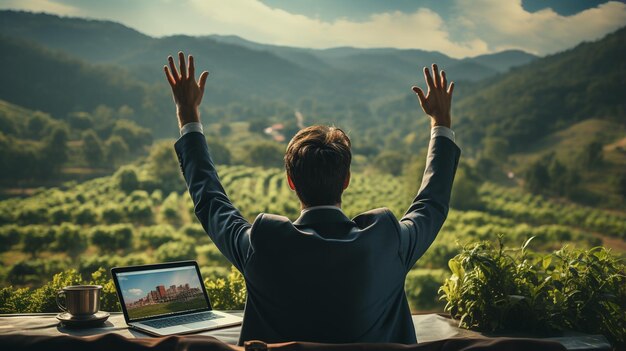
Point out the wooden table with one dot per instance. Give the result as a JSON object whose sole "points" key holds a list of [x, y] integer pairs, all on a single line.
{"points": [[428, 327]]}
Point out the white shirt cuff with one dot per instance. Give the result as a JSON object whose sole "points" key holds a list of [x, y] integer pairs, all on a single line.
{"points": [[191, 127], [442, 131]]}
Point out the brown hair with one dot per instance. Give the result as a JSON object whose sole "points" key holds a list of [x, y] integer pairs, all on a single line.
{"points": [[318, 162]]}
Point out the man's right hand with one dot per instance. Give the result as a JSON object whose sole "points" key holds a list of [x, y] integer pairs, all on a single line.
{"points": [[186, 91], [436, 103]]}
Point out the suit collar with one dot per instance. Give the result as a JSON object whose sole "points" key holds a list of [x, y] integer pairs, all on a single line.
{"points": [[321, 214]]}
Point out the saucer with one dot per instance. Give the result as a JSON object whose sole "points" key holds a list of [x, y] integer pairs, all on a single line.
{"points": [[91, 320]]}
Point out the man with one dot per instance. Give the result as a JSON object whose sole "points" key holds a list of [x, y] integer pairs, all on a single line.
{"points": [[323, 277]]}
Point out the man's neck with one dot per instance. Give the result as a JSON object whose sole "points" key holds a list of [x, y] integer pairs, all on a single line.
{"points": [[305, 208]]}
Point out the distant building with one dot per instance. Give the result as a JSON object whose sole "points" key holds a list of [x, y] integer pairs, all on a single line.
{"points": [[161, 291]]}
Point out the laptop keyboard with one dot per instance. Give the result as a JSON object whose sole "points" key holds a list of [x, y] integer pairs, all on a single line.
{"points": [[179, 320]]}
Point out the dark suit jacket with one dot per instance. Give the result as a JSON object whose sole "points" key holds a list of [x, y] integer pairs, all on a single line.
{"points": [[323, 277]]}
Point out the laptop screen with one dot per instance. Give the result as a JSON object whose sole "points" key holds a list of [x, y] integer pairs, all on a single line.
{"points": [[161, 292]]}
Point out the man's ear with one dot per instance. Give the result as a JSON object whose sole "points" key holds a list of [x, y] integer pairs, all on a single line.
{"points": [[291, 186], [347, 181]]}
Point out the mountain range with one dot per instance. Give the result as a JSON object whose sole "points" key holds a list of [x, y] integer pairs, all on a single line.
{"points": [[60, 65], [245, 69]]}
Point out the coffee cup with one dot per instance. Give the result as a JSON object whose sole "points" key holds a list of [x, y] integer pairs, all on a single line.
{"points": [[80, 300]]}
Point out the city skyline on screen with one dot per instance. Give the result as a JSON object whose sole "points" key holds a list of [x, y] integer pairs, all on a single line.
{"points": [[136, 286]]}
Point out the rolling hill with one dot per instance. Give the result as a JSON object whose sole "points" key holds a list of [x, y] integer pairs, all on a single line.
{"points": [[553, 93], [42, 79], [510, 95], [247, 69]]}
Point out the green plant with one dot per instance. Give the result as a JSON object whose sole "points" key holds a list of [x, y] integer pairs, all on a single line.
{"points": [[499, 289], [227, 293], [176, 251]]}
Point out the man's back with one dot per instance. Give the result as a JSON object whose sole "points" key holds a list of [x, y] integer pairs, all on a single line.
{"points": [[323, 277], [327, 278]]}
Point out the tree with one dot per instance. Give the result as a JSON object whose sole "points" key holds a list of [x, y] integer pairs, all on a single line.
{"points": [[85, 214], [170, 209], [80, 120], [135, 136], [389, 161], [563, 180], [70, 239], [258, 125], [164, 168], [176, 251], [219, 152], [112, 238], [496, 149], [116, 150], [225, 129], [465, 194], [93, 150], [36, 238], [265, 154], [591, 154], [9, 236], [54, 152], [536, 177], [37, 124], [127, 179]]}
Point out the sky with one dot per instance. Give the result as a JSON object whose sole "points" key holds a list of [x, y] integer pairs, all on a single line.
{"points": [[137, 286], [458, 28]]}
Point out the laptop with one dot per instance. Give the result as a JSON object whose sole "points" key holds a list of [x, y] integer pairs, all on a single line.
{"points": [[168, 298]]}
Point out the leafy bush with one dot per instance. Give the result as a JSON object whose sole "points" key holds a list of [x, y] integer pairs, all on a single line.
{"points": [[112, 214], [33, 215], [60, 214], [227, 293], [176, 251], [91, 264], [70, 238], [494, 289], [138, 207], [9, 236], [112, 238], [127, 179], [194, 231], [31, 271], [36, 239], [171, 209], [212, 254], [86, 214], [156, 235]]}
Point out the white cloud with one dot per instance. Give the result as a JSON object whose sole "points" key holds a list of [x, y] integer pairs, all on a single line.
{"points": [[252, 19], [505, 24], [50, 6], [474, 27], [135, 292]]}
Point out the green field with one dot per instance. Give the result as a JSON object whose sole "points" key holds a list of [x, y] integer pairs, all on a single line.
{"points": [[166, 307]]}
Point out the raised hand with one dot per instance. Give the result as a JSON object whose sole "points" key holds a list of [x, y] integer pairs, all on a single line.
{"points": [[186, 91], [436, 103]]}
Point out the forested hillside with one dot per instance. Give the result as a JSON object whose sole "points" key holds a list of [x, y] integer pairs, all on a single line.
{"points": [[142, 214], [89, 180], [51, 81], [244, 69], [557, 125], [36, 148]]}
